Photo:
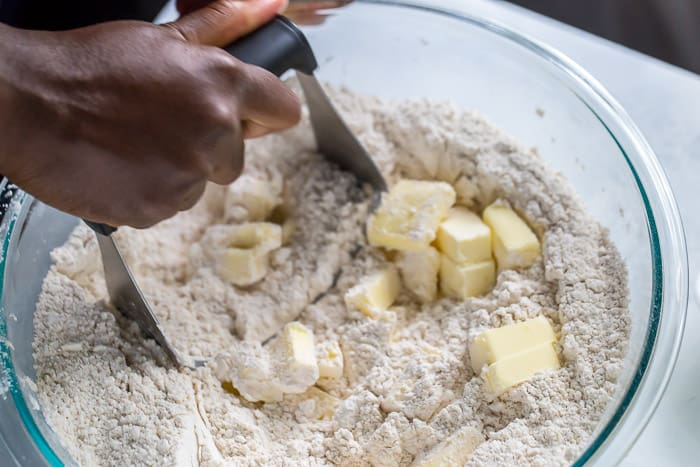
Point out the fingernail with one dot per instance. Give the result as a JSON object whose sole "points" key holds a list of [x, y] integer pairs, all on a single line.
{"points": [[283, 7]]}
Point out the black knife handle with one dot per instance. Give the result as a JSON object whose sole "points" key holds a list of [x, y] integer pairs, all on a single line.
{"points": [[102, 229], [277, 46]]}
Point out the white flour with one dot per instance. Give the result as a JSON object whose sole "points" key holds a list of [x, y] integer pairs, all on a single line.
{"points": [[407, 384]]}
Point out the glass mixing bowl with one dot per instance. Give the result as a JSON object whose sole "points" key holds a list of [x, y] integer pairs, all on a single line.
{"points": [[540, 97]]}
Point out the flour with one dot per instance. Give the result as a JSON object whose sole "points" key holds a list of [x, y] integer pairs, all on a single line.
{"points": [[407, 383]]}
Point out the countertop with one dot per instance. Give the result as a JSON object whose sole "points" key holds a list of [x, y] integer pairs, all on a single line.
{"points": [[664, 101]]}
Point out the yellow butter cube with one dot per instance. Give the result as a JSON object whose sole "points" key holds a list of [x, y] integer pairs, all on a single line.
{"points": [[467, 279], [514, 244], [241, 266], [495, 344], [517, 368], [298, 366], [288, 229], [282, 216], [256, 384], [242, 253], [464, 237], [409, 215], [258, 197], [248, 368], [453, 451], [299, 345], [263, 237], [330, 360], [375, 293], [419, 271]]}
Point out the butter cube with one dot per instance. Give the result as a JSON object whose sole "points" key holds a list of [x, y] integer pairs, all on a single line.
{"points": [[256, 196], [419, 271], [517, 368], [263, 237], [288, 229], [325, 404], [495, 344], [409, 215], [299, 368], [257, 384], [463, 237], [375, 293], [242, 256], [282, 216], [287, 366], [453, 451], [467, 279], [330, 360], [514, 243], [248, 369], [241, 266]]}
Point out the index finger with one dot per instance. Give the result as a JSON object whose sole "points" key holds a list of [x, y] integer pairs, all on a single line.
{"points": [[220, 22], [267, 102]]}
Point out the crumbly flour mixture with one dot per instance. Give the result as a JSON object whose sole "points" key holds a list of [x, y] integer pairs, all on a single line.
{"points": [[114, 399]]}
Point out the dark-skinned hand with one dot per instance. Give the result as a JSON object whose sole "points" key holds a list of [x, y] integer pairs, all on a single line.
{"points": [[124, 122]]}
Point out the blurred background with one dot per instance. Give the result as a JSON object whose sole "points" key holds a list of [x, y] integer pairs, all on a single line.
{"points": [[666, 29]]}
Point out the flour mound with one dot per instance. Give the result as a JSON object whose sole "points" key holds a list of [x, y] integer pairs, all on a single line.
{"points": [[407, 385]]}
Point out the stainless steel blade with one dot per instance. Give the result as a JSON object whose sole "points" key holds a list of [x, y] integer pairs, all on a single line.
{"points": [[126, 296], [334, 139]]}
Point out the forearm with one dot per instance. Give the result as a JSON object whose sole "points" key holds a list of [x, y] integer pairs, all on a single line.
{"points": [[8, 38], [30, 65], [5, 65]]}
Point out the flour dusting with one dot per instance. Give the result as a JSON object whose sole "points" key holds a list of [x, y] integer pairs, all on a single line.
{"points": [[407, 383]]}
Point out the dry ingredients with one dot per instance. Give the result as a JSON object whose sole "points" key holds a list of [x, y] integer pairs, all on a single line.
{"points": [[407, 383]]}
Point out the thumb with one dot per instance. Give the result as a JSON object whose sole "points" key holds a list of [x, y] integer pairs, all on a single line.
{"points": [[222, 21]]}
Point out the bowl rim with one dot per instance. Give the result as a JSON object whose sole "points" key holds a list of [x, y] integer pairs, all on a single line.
{"points": [[669, 281]]}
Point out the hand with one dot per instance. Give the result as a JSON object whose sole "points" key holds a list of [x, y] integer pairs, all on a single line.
{"points": [[312, 12], [123, 123], [308, 12]]}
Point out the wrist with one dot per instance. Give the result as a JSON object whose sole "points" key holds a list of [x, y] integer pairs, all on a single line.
{"points": [[5, 58], [11, 40], [6, 91], [7, 41]]}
